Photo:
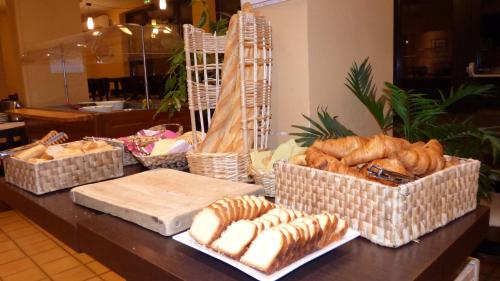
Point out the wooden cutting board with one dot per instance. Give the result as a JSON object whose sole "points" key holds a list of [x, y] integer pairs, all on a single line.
{"points": [[162, 200]]}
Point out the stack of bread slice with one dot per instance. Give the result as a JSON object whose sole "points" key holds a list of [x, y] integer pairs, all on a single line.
{"points": [[267, 238]]}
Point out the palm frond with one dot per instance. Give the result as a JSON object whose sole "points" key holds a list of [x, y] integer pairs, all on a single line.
{"points": [[360, 83], [327, 127], [464, 91]]}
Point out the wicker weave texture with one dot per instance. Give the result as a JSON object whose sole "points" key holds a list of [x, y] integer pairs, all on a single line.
{"points": [[175, 161], [227, 166], [388, 216], [265, 178], [64, 173]]}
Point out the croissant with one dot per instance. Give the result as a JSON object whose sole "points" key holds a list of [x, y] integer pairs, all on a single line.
{"points": [[336, 166], [379, 146], [435, 145], [423, 159], [340, 147], [317, 159]]}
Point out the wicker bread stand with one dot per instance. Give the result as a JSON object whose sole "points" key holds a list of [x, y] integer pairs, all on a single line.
{"points": [[204, 57], [388, 216]]}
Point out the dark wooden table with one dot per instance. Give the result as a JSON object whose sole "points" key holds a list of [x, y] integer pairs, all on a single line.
{"points": [[139, 254]]}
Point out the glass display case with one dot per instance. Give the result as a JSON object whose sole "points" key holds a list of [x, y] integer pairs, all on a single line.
{"points": [[127, 61]]}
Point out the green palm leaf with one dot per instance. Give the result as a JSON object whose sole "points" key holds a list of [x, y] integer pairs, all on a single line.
{"points": [[360, 82]]}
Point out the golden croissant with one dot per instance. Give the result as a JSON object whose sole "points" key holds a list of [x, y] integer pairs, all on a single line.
{"points": [[340, 147], [379, 146]]}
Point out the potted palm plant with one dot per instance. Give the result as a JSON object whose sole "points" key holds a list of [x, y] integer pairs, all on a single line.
{"points": [[416, 116]]}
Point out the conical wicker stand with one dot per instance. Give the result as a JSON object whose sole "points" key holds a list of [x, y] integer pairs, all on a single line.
{"points": [[204, 58]]}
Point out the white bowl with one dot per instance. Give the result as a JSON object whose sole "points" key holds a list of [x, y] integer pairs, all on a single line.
{"points": [[116, 104], [97, 108]]}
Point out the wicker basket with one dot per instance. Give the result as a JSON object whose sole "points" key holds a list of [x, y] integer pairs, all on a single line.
{"points": [[203, 64], [388, 216], [63, 173], [265, 178], [175, 161], [227, 166]]}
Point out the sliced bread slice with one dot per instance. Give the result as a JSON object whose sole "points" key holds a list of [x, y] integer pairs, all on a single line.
{"points": [[264, 251], [234, 241]]}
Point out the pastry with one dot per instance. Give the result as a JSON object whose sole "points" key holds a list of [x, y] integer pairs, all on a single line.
{"points": [[34, 152], [379, 146], [340, 147]]}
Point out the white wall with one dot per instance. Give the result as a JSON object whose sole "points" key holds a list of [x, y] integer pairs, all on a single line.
{"points": [[341, 32], [315, 43], [290, 79]]}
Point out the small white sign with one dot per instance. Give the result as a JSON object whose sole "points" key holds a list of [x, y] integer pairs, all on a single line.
{"points": [[261, 3]]}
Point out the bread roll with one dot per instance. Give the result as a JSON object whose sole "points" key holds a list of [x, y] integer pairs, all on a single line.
{"points": [[34, 152]]}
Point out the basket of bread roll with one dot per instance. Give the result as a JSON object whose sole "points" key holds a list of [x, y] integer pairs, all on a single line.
{"points": [[43, 169], [391, 191], [160, 147], [229, 99], [263, 162], [262, 235]]}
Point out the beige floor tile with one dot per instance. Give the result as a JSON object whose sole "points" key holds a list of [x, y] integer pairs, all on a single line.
{"points": [[94, 279], [50, 255], [30, 239], [11, 255], [8, 228], [38, 247], [75, 274], [97, 267], [111, 276], [10, 219], [83, 258], [7, 214], [7, 245], [3, 237], [68, 249], [22, 232], [16, 267], [32, 274], [60, 265]]}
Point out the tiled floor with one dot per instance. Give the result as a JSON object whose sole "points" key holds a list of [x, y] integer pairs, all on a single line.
{"points": [[28, 253]]}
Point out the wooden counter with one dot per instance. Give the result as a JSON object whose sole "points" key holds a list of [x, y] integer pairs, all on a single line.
{"points": [[79, 124], [139, 254]]}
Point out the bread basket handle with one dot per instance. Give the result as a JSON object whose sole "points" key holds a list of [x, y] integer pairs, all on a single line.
{"points": [[178, 126]]}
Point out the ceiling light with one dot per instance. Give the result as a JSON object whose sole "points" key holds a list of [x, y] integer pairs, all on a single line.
{"points": [[155, 31], [90, 23], [163, 4]]}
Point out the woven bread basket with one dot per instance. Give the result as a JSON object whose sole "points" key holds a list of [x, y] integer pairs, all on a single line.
{"points": [[388, 216], [63, 173], [128, 157], [175, 161], [265, 178], [203, 64], [227, 166]]}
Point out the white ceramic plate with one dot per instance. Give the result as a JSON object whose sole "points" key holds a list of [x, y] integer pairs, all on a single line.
{"points": [[186, 239]]}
